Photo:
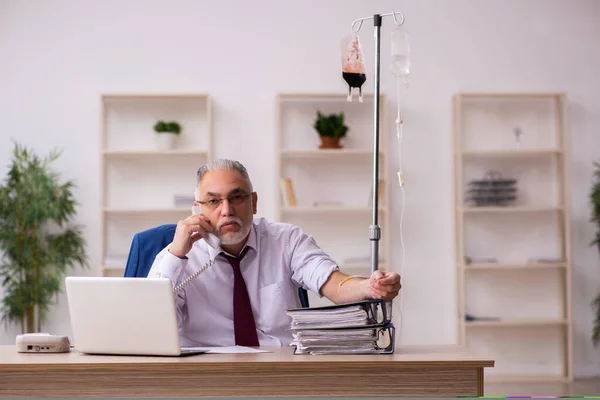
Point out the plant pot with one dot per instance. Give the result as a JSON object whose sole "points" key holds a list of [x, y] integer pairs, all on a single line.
{"points": [[330, 142], [165, 141]]}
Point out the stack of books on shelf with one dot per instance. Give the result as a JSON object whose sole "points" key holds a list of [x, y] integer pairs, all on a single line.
{"points": [[363, 327]]}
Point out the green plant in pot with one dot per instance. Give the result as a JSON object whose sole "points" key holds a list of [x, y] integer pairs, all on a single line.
{"points": [[331, 129], [167, 131], [595, 203], [38, 241]]}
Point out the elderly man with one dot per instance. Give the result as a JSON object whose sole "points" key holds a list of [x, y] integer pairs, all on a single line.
{"points": [[242, 297]]}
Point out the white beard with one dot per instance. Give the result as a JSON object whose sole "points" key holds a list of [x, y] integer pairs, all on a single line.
{"points": [[235, 237]]}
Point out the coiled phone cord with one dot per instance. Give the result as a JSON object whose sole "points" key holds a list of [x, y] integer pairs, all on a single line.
{"points": [[192, 277]]}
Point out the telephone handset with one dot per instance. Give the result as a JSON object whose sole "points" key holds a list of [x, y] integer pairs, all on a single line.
{"points": [[213, 241]]}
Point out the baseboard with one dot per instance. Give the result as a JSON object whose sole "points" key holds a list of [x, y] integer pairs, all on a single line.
{"points": [[586, 371]]}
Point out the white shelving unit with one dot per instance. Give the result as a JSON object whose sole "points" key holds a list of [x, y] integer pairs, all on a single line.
{"points": [[513, 260], [340, 180], [139, 179]]}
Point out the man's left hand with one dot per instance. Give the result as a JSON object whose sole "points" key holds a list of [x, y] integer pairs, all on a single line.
{"points": [[384, 285]]}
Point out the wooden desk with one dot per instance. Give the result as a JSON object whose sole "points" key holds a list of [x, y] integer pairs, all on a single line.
{"points": [[410, 372]]}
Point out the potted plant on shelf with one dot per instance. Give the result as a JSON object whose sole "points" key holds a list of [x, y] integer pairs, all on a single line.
{"points": [[38, 241], [167, 131], [331, 129], [595, 203]]}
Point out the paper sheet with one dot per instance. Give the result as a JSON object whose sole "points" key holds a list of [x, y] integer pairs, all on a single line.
{"points": [[229, 350]]}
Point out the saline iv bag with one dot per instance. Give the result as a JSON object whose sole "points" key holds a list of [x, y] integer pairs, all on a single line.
{"points": [[400, 64]]}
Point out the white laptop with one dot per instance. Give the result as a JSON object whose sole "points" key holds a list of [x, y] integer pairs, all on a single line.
{"points": [[128, 316]]}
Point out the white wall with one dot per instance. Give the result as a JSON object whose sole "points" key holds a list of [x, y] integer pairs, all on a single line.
{"points": [[57, 57]]}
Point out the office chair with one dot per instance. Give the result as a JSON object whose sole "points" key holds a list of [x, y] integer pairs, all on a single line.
{"points": [[147, 244]]}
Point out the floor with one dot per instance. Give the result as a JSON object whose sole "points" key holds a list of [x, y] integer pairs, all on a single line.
{"points": [[580, 387]]}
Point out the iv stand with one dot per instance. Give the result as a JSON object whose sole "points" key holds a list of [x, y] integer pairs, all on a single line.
{"points": [[374, 229]]}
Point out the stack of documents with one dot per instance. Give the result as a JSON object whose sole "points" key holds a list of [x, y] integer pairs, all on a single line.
{"points": [[355, 328]]}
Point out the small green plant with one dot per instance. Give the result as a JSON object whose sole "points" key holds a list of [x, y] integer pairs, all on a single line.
{"points": [[595, 203], [167, 127], [331, 125], [38, 240]]}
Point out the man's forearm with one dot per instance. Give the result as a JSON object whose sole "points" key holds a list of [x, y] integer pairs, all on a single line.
{"points": [[341, 288]]}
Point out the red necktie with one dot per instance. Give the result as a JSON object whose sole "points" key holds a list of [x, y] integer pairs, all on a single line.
{"points": [[243, 318]]}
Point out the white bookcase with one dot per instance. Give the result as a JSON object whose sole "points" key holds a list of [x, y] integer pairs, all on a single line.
{"points": [[513, 259], [333, 187], [139, 179]]}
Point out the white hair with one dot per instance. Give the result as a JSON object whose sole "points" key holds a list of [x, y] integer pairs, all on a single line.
{"points": [[221, 164]]}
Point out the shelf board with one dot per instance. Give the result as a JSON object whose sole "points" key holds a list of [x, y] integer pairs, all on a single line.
{"points": [[114, 267], [509, 209], [154, 96], [489, 378], [147, 210], [341, 97], [327, 153], [338, 210], [509, 153], [504, 267], [138, 153], [508, 95], [525, 322]]}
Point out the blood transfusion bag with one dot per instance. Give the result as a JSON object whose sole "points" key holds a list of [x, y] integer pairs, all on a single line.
{"points": [[353, 66]]}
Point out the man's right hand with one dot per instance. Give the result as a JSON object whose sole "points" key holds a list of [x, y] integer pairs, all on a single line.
{"points": [[188, 231]]}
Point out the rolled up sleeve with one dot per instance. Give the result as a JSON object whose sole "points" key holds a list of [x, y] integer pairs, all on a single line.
{"points": [[311, 265]]}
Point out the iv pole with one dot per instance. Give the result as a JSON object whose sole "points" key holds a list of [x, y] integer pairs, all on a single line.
{"points": [[375, 229]]}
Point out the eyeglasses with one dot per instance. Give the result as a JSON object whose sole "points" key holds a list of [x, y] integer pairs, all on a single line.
{"points": [[233, 200]]}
